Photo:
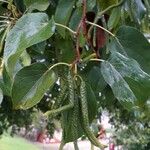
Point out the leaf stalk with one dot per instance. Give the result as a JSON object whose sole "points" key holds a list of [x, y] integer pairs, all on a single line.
{"points": [[63, 26]]}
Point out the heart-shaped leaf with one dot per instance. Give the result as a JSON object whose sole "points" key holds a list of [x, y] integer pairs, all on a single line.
{"points": [[30, 29], [134, 44], [91, 102], [40, 5], [128, 67], [114, 18], [138, 80], [96, 80], [63, 13], [118, 85], [30, 84], [104, 4]]}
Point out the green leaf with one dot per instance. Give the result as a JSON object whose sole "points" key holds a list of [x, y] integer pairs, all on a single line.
{"points": [[91, 4], [118, 85], [25, 59], [30, 29], [75, 18], [104, 4], [140, 90], [135, 45], [136, 9], [107, 99], [138, 80], [128, 67], [1, 96], [114, 18], [92, 103], [66, 48], [63, 13], [7, 83], [96, 80], [31, 82], [40, 5]]}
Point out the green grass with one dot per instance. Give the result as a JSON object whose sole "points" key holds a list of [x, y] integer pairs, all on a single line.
{"points": [[16, 143]]}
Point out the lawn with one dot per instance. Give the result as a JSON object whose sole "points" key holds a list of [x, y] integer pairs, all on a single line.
{"points": [[16, 143]]}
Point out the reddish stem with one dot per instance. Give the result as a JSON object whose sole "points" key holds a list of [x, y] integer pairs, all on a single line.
{"points": [[82, 25]]}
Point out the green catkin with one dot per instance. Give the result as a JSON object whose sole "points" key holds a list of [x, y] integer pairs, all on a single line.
{"points": [[71, 87], [61, 96], [64, 99], [92, 146], [61, 145], [71, 98], [84, 109], [59, 110], [75, 119], [74, 112], [76, 145]]}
